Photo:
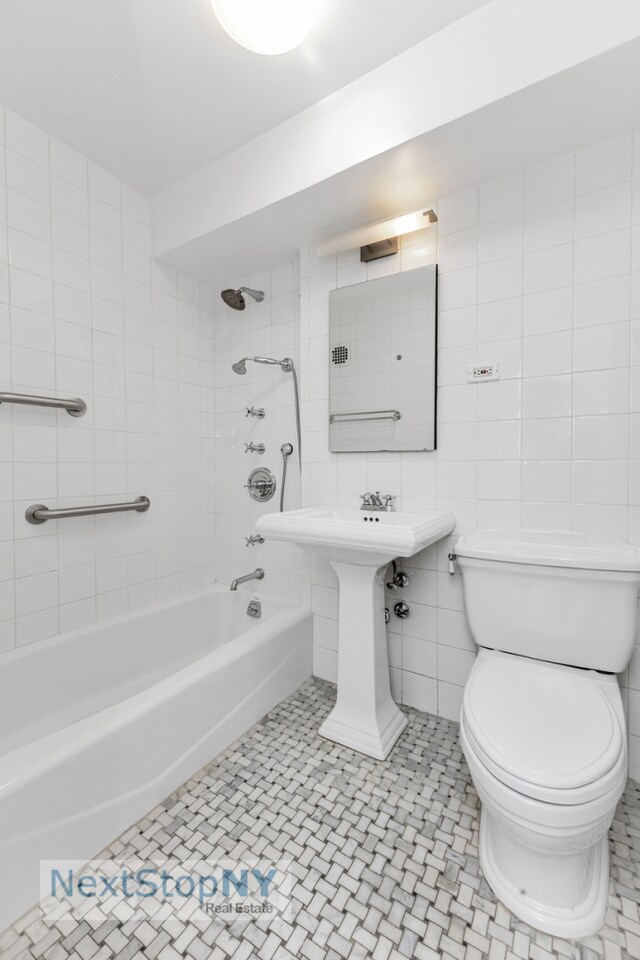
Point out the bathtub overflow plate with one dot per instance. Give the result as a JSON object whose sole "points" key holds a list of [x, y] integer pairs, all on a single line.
{"points": [[254, 609]]}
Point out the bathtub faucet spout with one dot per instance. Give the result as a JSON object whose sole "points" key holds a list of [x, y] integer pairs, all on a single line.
{"points": [[258, 574]]}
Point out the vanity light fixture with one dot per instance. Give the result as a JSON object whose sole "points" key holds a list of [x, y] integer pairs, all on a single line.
{"points": [[379, 239], [268, 27]]}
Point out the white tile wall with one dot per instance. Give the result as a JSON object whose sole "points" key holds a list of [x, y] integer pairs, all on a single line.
{"points": [[540, 271], [84, 311]]}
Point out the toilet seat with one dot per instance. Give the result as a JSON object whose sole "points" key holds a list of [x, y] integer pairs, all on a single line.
{"points": [[548, 731]]}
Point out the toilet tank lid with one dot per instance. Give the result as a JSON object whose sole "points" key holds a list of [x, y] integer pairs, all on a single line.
{"points": [[553, 548]]}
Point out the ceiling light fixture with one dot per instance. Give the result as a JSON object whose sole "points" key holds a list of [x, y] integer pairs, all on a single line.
{"points": [[379, 239], [267, 26]]}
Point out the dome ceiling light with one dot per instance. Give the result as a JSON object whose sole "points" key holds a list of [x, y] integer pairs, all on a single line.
{"points": [[268, 27]]}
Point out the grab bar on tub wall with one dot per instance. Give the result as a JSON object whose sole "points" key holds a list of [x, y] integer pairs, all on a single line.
{"points": [[38, 513], [75, 407]]}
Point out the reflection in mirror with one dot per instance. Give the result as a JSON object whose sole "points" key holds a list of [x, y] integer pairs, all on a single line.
{"points": [[382, 363]]}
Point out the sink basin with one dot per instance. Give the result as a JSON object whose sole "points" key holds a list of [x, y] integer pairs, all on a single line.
{"points": [[357, 536], [359, 544]]}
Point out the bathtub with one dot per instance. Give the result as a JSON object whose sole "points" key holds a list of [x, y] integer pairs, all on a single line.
{"points": [[97, 726]]}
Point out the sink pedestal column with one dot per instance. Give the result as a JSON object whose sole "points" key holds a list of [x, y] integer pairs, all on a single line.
{"points": [[365, 716]]}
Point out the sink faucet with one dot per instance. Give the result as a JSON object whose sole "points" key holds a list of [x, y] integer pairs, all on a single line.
{"points": [[375, 501], [258, 574]]}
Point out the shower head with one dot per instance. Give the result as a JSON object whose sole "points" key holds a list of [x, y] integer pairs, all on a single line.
{"points": [[240, 367], [235, 298]]}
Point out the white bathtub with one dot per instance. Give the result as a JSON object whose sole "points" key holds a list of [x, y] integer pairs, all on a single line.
{"points": [[97, 726]]}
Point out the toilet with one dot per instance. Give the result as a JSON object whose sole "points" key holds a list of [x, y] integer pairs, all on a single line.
{"points": [[542, 723]]}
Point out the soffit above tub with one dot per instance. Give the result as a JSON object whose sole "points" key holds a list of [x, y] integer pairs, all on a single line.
{"points": [[252, 210], [155, 89]]}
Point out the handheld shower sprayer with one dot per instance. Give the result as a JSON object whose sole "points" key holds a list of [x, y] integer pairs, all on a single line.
{"points": [[286, 450], [241, 366]]}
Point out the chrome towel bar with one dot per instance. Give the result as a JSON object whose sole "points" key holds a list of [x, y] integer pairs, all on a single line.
{"points": [[75, 407], [365, 415], [38, 513]]}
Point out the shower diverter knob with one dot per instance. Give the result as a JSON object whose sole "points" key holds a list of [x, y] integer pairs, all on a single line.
{"points": [[261, 485]]}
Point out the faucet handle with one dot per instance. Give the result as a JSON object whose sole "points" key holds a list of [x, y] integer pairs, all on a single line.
{"points": [[388, 500]]}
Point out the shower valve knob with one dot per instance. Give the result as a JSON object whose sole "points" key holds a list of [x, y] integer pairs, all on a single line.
{"points": [[262, 484], [254, 447], [258, 412]]}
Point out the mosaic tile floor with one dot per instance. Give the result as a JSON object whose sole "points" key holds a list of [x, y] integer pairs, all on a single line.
{"points": [[384, 858]]}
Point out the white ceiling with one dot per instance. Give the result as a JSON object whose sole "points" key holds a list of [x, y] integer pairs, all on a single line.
{"points": [[154, 89], [570, 110]]}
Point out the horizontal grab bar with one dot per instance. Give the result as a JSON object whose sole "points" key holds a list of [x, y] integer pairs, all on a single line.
{"points": [[365, 415], [75, 407], [38, 513]]}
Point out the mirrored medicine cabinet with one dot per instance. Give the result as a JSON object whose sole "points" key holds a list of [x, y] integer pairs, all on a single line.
{"points": [[382, 363]]}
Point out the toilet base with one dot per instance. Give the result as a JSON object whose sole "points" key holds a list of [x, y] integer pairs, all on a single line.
{"points": [[590, 870]]}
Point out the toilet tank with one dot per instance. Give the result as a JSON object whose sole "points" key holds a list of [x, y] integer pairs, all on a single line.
{"points": [[561, 597]]}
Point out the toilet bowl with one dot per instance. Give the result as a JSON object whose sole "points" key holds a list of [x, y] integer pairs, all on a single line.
{"points": [[545, 816], [542, 723]]}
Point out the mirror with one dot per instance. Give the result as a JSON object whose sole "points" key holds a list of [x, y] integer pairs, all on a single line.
{"points": [[382, 363]]}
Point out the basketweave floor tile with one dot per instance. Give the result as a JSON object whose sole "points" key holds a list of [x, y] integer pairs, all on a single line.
{"points": [[382, 859]]}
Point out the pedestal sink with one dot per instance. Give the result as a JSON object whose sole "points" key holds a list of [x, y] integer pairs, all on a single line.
{"points": [[359, 545]]}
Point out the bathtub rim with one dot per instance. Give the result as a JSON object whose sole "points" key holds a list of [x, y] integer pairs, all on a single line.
{"points": [[49, 643], [19, 766]]}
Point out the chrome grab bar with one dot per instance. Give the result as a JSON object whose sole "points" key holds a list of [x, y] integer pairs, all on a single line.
{"points": [[38, 513], [75, 407], [365, 415]]}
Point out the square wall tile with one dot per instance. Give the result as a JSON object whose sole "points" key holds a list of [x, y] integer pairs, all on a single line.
{"points": [[600, 393], [548, 269], [601, 301], [501, 198], [547, 355], [549, 182], [500, 279], [549, 226], [500, 239], [600, 481], [603, 165], [548, 439], [602, 256], [603, 211], [458, 211], [546, 480], [548, 312], [598, 348], [602, 437]]}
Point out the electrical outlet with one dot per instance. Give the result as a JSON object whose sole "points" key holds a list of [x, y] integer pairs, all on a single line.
{"points": [[479, 372]]}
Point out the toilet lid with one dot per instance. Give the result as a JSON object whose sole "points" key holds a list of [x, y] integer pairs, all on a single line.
{"points": [[541, 724]]}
